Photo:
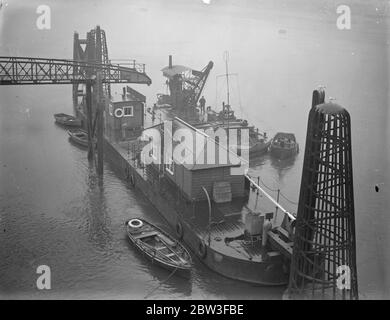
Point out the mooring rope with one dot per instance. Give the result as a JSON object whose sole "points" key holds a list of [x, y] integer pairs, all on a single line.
{"points": [[162, 282], [270, 189]]}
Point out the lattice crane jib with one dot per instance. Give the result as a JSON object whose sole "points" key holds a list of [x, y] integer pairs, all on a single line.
{"points": [[186, 86], [194, 85]]}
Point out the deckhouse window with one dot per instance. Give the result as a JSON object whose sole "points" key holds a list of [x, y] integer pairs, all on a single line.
{"points": [[128, 111]]}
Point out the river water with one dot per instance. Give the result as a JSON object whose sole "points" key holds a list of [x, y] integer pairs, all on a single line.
{"points": [[53, 211]]}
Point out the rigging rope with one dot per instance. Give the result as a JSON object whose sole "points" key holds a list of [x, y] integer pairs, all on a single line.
{"points": [[292, 202], [276, 190]]}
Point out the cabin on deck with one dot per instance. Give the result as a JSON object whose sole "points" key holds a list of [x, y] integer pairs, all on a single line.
{"points": [[190, 179], [124, 115]]}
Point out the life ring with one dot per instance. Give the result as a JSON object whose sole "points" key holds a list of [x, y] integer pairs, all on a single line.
{"points": [[120, 111], [179, 230], [202, 250], [135, 223]]}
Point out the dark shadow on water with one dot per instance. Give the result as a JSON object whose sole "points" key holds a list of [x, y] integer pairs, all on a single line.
{"points": [[97, 212], [256, 161]]}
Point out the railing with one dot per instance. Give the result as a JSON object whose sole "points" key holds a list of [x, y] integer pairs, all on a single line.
{"points": [[25, 70], [132, 64], [277, 204]]}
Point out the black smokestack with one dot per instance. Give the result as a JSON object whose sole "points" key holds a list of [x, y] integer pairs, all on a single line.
{"points": [[170, 61]]}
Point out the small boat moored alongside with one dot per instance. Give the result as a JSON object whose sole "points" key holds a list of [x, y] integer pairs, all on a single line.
{"points": [[67, 120], [158, 246], [79, 137], [284, 145]]}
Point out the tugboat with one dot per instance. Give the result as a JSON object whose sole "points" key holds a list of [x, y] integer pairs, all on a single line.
{"points": [[184, 101], [284, 146]]}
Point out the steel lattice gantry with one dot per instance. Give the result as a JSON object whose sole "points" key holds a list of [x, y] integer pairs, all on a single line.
{"points": [[323, 263], [22, 71], [94, 74]]}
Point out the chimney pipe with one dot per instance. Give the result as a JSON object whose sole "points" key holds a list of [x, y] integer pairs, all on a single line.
{"points": [[170, 61]]}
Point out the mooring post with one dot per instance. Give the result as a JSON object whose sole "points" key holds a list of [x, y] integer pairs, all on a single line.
{"points": [[89, 118]]}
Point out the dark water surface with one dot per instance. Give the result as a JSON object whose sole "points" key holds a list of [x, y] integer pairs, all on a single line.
{"points": [[52, 210]]}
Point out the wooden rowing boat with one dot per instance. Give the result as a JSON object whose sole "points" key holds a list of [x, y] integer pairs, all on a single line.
{"points": [[67, 120], [158, 246], [79, 137]]}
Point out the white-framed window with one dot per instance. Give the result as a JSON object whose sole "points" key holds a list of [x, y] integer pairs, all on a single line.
{"points": [[110, 109], [128, 111]]}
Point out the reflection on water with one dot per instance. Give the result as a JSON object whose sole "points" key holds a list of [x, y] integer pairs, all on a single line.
{"points": [[282, 165]]}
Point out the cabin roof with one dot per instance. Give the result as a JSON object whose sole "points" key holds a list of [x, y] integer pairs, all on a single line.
{"points": [[281, 135], [174, 70], [197, 165], [179, 123], [131, 95]]}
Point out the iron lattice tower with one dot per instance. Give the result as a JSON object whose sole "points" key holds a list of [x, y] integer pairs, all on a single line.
{"points": [[92, 49], [324, 253]]}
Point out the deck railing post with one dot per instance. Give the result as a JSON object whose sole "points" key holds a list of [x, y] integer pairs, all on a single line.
{"points": [[277, 208]]}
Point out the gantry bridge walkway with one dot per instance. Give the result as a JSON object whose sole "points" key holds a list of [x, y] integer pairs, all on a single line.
{"points": [[25, 70]]}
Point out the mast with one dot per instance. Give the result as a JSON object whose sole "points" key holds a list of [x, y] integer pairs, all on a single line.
{"points": [[226, 57]]}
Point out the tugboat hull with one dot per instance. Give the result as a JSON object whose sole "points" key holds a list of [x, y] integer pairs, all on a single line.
{"points": [[282, 153], [284, 146]]}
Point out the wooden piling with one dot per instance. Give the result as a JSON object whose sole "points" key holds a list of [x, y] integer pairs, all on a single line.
{"points": [[88, 101]]}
